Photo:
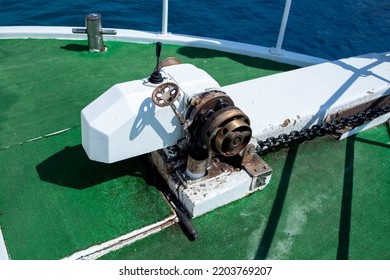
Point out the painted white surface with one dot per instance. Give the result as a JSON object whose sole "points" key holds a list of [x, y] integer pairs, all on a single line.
{"points": [[301, 98], [124, 122], [204, 195], [126, 35]]}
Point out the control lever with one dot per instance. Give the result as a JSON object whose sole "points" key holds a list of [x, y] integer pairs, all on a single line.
{"points": [[155, 77]]}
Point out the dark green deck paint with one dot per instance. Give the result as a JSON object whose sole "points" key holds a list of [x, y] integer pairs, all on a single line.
{"points": [[53, 200], [315, 187]]}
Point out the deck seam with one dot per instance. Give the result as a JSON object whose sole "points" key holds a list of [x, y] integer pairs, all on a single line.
{"points": [[45, 136], [99, 250]]}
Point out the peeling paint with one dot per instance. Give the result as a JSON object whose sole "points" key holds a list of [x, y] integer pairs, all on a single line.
{"points": [[285, 123]]}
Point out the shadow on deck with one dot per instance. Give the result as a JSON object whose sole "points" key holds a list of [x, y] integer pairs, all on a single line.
{"points": [[72, 168]]}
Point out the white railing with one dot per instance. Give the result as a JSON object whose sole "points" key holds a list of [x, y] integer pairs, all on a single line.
{"points": [[277, 50], [136, 36], [164, 28]]}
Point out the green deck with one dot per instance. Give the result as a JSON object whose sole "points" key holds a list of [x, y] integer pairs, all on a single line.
{"points": [[326, 199], [53, 199]]}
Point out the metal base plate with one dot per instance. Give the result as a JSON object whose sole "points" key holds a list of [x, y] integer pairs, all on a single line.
{"points": [[222, 184]]}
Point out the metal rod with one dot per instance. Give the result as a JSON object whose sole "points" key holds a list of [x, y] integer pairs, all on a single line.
{"points": [[79, 30], [109, 31], [178, 115], [283, 25], [164, 30]]}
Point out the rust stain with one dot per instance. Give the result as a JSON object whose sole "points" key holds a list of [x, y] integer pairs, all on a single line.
{"points": [[285, 123]]}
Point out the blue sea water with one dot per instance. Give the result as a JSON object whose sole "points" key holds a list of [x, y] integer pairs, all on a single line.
{"points": [[329, 29]]}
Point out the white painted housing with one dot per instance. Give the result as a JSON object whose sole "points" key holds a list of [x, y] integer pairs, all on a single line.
{"points": [[124, 122]]}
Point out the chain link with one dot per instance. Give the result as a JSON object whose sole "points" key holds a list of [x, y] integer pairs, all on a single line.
{"points": [[295, 136]]}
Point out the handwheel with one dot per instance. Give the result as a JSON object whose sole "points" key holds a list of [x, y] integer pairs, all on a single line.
{"points": [[165, 94]]}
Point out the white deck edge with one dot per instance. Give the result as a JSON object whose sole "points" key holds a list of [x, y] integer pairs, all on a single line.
{"points": [[104, 248], [3, 249], [127, 35]]}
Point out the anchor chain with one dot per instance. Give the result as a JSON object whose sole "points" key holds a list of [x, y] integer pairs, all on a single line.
{"points": [[332, 128]]}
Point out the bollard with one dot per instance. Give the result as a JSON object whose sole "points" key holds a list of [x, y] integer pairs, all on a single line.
{"points": [[94, 30]]}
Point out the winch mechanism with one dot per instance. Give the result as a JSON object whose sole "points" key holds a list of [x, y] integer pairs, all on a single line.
{"points": [[215, 127], [216, 162], [200, 142]]}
